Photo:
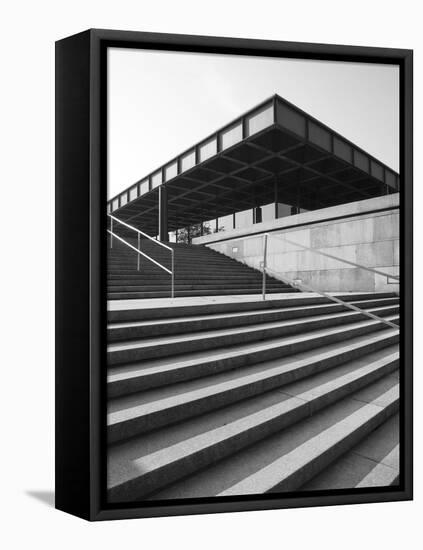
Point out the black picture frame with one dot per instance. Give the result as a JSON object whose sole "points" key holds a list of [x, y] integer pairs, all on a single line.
{"points": [[81, 173]]}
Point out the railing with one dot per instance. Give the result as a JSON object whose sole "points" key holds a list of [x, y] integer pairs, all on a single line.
{"points": [[297, 283], [140, 252]]}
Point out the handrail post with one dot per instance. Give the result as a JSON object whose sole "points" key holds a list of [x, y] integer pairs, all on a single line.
{"points": [[173, 272], [138, 259], [264, 265], [111, 234]]}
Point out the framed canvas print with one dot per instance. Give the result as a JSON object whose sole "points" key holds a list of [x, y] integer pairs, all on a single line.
{"points": [[234, 274]]}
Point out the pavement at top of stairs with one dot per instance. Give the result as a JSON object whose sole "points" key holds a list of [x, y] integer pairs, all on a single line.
{"points": [[147, 303]]}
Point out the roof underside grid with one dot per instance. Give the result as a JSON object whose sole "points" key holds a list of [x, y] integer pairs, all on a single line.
{"points": [[276, 163]]}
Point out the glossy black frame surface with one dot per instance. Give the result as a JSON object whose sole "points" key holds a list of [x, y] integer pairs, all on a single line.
{"points": [[81, 176]]}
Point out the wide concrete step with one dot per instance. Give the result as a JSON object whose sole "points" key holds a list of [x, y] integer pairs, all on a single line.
{"points": [[137, 470], [192, 279], [194, 286], [184, 270], [205, 254], [286, 460], [189, 293], [153, 409], [180, 324], [146, 374], [204, 258], [188, 277], [175, 309], [374, 462], [184, 267], [148, 348]]}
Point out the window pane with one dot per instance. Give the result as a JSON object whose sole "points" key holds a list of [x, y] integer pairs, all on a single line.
{"points": [[208, 149], [285, 210], [225, 223], [123, 199], [260, 120], [231, 136], [268, 212], [116, 204], [209, 227], [188, 161], [244, 219]]}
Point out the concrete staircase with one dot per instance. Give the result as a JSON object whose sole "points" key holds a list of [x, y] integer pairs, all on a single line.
{"points": [[244, 397], [199, 271]]}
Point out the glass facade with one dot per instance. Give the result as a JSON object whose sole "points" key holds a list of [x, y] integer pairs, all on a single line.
{"points": [[244, 219], [226, 223]]}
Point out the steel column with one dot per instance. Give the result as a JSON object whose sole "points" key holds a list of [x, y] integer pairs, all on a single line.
{"points": [[163, 218]]}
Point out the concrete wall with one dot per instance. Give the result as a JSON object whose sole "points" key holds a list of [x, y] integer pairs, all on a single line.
{"points": [[366, 233]]}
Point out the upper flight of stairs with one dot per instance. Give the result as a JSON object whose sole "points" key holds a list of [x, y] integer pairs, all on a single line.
{"points": [[295, 393], [199, 271]]}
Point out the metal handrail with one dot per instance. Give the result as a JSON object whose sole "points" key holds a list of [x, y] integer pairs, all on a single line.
{"points": [[139, 232], [308, 288]]}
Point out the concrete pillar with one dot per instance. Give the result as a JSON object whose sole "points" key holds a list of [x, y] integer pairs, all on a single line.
{"points": [[163, 223]]}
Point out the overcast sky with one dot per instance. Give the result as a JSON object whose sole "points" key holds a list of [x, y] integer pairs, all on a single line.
{"points": [[161, 103]]}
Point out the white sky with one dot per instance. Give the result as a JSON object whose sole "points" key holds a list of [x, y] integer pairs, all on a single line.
{"points": [[161, 103]]}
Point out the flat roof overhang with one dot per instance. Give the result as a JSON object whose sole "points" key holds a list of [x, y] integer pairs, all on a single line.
{"points": [[273, 153]]}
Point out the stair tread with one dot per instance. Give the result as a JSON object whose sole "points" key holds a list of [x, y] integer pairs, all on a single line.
{"points": [[135, 461], [151, 401], [238, 314], [243, 396], [168, 309], [291, 447], [372, 462], [216, 333], [166, 365]]}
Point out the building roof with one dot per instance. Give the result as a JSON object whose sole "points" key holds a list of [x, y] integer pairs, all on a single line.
{"points": [[274, 152]]}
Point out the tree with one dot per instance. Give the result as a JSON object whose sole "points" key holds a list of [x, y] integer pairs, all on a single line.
{"points": [[186, 234]]}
